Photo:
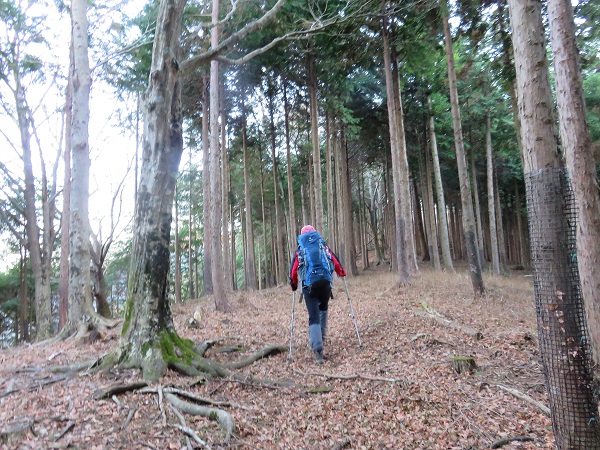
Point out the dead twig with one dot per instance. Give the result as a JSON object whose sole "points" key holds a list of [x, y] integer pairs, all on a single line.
{"points": [[525, 397], [129, 417], [35, 385], [68, 427], [429, 312]]}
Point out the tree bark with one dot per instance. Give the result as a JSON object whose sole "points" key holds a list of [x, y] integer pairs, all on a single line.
{"points": [[441, 201], [562, 335], [403, 271], [63, 288], [218, 276], [80, 301], [293, 223], [576, 140], [206, 190], [148, 328], [491, 197], [249, 262], [468, 219], [177, 251], [316, 146]]}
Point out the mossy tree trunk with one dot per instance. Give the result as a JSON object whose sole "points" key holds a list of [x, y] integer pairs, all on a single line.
{"points": [[148, 338]]}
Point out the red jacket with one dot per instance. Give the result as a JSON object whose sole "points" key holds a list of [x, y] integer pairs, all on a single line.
{"points": [[337, 267]]}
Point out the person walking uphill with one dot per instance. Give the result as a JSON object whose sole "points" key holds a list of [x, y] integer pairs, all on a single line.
{"points": [[312, 265]]}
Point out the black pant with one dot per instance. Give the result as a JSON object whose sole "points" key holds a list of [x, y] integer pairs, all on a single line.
{"points": [[317, 299]]}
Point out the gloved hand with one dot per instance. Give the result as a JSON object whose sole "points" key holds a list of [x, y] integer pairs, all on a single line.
{"points": [[343, 273], [293, 286]]}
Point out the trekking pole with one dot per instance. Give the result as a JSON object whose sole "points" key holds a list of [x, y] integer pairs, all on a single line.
{"points": [[292, 325], [352, 314]]}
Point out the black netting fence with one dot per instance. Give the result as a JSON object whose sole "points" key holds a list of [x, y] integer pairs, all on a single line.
{"points": [[562, 327]]}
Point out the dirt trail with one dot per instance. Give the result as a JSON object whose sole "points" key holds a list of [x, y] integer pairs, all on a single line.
{"points": [[399, 392]]}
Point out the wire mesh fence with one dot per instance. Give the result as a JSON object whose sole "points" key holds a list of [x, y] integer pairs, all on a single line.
{"points": [[562, 327]]}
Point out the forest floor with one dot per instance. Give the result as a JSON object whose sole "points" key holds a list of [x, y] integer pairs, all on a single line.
{"points": [[399, 392]]}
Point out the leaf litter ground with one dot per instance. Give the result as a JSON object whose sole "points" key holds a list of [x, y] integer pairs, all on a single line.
{"points": [[399, 392]]}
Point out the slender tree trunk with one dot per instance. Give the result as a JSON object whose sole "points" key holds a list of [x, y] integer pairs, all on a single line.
{"points": [[293, 227], [206, 190], [63, 288], [478, 215], [218, 276], [191, 285], [225, 183], [23, 296], [499, 225], [280, 254], [523, 241], [346, 194], [491, 196], [177, 252], [403, 271], [468, 219], [434, 239], [577, 147], [331, 238], [441, 201], [249, 261], [316, 147], [561, 329]]}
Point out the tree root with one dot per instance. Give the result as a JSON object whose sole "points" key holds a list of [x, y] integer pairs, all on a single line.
{"points": [[502, 442], [263, 353]]}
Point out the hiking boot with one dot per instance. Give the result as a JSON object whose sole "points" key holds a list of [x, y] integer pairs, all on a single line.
{"points": [[319, 357]]}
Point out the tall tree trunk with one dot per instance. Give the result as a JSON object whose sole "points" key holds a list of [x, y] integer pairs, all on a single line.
{"points": [[561, 329], [249, 261], [218, 276], [191, 285], [280, 254], [225, 183], [177, 252], [439, 189], [491, 196], [478, 215], [346, 194], [433, 237], [63, 288], [404, 172], [293, 228], [468, 218], [316, 146], [403, 271], [148, 328], [331, 238], [206, 189], [23, 296], [523, 241], [499, 225], [80, 301], [576, 140]]}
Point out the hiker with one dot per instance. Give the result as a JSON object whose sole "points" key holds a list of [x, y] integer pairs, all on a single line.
{"points": [[312, 265]]}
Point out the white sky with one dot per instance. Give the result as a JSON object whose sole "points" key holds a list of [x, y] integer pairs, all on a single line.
{"points": [[112, 147]]}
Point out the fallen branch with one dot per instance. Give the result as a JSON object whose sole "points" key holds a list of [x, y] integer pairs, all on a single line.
{"points": [[525, 397], [64, 431], [353, 376], [35, 385], [429, 312], [223, 417], [502, 442], [191, 433], [129, 417], [342, 444], [196, 398]]}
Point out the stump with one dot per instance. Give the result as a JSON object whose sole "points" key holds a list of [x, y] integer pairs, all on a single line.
{"points": [[464, 364]]}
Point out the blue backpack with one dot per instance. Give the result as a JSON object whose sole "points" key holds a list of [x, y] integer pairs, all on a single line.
{"points": [[314, 261]]}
